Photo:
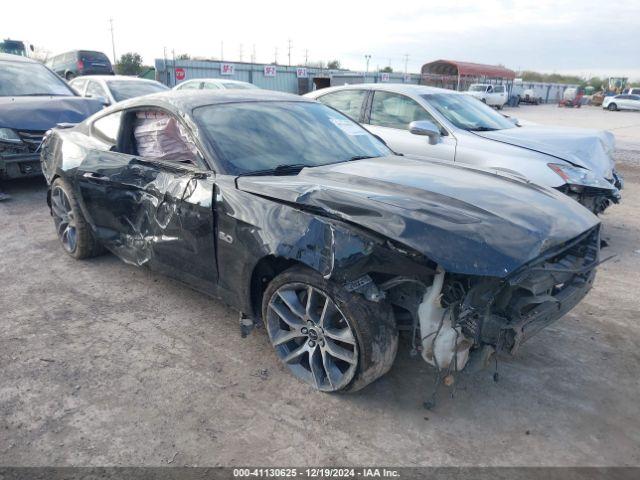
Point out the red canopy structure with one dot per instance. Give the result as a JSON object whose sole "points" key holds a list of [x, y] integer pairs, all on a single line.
{"points": [[459, 75]]}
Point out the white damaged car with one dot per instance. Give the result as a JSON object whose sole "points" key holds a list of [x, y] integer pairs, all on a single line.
{"points": [[447, 125]]}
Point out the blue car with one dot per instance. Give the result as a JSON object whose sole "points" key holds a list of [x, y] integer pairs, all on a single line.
{"points": [[33, 100]]}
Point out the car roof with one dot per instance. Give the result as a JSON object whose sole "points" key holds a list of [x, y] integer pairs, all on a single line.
{"points": [[110, 78], [187, 100], [406, 88], [213, 80], [7, 57]]}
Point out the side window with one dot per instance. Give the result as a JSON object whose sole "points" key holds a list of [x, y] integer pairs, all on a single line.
{"points": [[396, 111], [78, 85], [189, 86], [159, 136], [107, 128], [499, 89], [348, 102], [94, 89], [210, 86]]}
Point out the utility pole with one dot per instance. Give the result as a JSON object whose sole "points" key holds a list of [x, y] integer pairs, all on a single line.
{"points": [[367, 57], [406, 62], [253, 54], [240, 52], [306, 56], [222, 50], [275, 57], [113, 43], [289, 48]]}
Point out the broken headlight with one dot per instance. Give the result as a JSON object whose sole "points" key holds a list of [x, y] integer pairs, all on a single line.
{"points": [[9, 136], [580, 177], [10, 142]]}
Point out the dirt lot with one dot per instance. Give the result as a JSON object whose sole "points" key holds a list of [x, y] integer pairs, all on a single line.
{"points": [[105, 364]]}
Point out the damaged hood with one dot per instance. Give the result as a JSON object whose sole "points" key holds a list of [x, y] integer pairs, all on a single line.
{"points": [[591, 149], [43, 113], [468, 220]]}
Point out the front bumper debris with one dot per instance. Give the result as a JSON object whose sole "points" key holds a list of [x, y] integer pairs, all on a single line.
{"points": [[20, 166]]}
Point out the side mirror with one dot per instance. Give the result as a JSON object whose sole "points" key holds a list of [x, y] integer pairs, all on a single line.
{"points": [[427, 129]]}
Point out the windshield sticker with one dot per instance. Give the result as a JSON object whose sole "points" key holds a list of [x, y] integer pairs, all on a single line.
{"points": [[347, 126]]}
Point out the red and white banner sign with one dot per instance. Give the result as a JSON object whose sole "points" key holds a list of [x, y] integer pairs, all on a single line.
{"points": [[269, 70], [384, 77], [301, 72], [227, 69], [180, 73]]}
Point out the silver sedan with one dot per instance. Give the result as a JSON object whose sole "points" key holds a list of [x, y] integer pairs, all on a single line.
{"points": [[447, 125]]}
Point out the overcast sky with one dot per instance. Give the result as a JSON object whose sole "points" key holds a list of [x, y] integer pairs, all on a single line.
{"points": [[585, 37]]}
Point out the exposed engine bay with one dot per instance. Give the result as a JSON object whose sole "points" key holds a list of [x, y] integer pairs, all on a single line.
{"points": [[460, 319]]}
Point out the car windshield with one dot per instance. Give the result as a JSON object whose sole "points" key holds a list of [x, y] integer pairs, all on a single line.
{"points": [[258, 136], [467, 112], [238, 86], [125, 89], [21, 79], [477, 88]]}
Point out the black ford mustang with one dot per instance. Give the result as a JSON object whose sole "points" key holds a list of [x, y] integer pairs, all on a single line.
{"points": [[296, 216]]}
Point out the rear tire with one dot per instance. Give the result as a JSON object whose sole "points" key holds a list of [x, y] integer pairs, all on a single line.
{"points": [[612, 107], [73, 230], [331, 339]]}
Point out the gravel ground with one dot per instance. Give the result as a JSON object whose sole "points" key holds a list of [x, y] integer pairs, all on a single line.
{"points": [[106, 364]]}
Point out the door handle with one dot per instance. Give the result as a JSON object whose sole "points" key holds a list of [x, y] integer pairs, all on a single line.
{"points": [[95, 176]]}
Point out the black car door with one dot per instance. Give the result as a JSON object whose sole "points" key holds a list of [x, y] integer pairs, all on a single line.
{"points": [[150, 211]]}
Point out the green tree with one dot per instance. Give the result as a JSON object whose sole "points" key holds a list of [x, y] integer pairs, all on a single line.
{"points": [[333, 65], [596, 82], [387, 69], [129, 64]]}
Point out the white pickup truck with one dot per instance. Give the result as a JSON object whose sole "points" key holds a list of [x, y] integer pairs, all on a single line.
{"points": [[494, 95]]}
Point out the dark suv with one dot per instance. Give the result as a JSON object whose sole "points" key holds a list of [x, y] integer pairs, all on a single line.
{"points": [[80, 62], [33, 100]]}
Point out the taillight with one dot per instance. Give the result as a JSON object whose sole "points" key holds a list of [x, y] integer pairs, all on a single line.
{"points": [[80, 64]]}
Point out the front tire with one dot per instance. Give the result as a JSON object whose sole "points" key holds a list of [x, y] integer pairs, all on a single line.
{"points": [[331, 339], [72, 228], [612, 107]]}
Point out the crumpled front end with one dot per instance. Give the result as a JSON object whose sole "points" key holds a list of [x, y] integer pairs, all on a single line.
{"points": [[459, 320], [489, 314]]}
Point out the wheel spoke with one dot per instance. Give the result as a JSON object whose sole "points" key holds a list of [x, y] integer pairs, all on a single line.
{"points": [[296, 353], [328, 311], [292, 301], [285, 336], [312, 303], [57, 207], [340, 353], [316, 364], [330, 369], [343, 335], [62, 227], [286, 315]]}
